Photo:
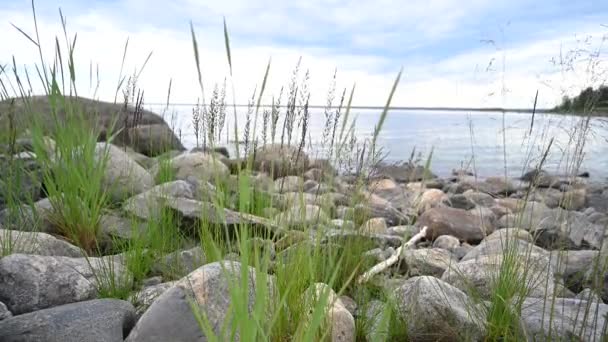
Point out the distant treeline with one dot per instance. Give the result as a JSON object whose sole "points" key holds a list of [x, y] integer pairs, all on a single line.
{"points": [[588, 101]]}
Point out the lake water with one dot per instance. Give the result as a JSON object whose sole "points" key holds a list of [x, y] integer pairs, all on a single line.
{"points": [[478, 139]]}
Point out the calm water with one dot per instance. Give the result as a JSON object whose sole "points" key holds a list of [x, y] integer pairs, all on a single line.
{"points": [[455, 137]]}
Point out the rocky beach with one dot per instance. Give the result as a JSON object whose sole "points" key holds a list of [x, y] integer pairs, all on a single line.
{"points": [[442, 247]]}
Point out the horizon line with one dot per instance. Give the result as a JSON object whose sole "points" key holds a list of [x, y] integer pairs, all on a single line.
{"points": [[371, 107]]}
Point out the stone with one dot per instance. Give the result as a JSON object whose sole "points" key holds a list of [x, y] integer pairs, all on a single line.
{"points": [[435, 310], [288, 184], [427, 261], [144, 298], [405, 231], [123, 177], [572, 265], [556, 228], [430, 199], [114, 227], [110, 118], [302, 216], [460, 201], [32, 282], [499, 244], [99, 320], [341, 236], [574, 199], [179, 263], [349, 304], [4, 312], [375, 225], [533, 269], [170, 317], [34, 218], [447, 242], [343, 224], [13, 241], [456, 222], [564, 319], [381, 185], [589, 295], [198, 165], [338, 319], [479, 198], [152, 140], [313, 174], [405, 172], [280, 160]]}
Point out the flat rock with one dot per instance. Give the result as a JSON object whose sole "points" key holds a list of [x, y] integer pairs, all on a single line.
{"points": [[99, 320]]}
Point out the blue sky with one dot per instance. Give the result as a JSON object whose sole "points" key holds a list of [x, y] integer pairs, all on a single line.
{"points": [[442, 45]]}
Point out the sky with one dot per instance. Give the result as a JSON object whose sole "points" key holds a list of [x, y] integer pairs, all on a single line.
{"points": [[476, 53]]}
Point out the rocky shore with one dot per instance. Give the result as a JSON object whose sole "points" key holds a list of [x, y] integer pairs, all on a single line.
{"points": [[555, 227]]}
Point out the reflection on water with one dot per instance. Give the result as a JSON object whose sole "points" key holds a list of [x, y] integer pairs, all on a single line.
{"points": [[455, 137]]}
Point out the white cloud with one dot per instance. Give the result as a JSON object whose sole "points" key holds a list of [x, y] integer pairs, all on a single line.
{"points": [[456, 80]]}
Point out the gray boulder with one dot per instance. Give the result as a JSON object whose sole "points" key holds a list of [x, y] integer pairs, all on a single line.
{"points": [[198, 165], [99, 320], [280, 160], [123, 177], [4, 312], [533, 271], [14, 241], [152, 140], [170, 317], [32, 282], [464, 225], [564, 319], [435, 310]]}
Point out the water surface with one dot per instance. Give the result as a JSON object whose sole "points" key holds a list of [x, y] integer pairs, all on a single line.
{"points": [[492, 143]]}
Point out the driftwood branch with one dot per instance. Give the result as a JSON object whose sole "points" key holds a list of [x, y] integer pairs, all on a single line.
{"points": [[393, 258]]}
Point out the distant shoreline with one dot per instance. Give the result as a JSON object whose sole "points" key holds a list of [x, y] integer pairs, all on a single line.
{"points": [[451, 109]]}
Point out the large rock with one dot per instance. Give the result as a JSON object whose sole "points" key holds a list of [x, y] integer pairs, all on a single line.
{"points": [[564, 319], [99, 320], [208, 289], [427, 261], [123, 177], [32, 282], [338, 320], [437, 311], [4, 312], [153, 140], [152, 201], [556, 228], [179, 263], [198, 165], [13, 241], [464, 225], [144, 298], [532, 271], [280, 160], [289, 184], [109, 118], [430, 199], [26, 217], [302, 216], [503, 241]]}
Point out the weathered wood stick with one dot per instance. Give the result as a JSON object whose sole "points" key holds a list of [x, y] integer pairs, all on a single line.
{"points": [[393, 258]]}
